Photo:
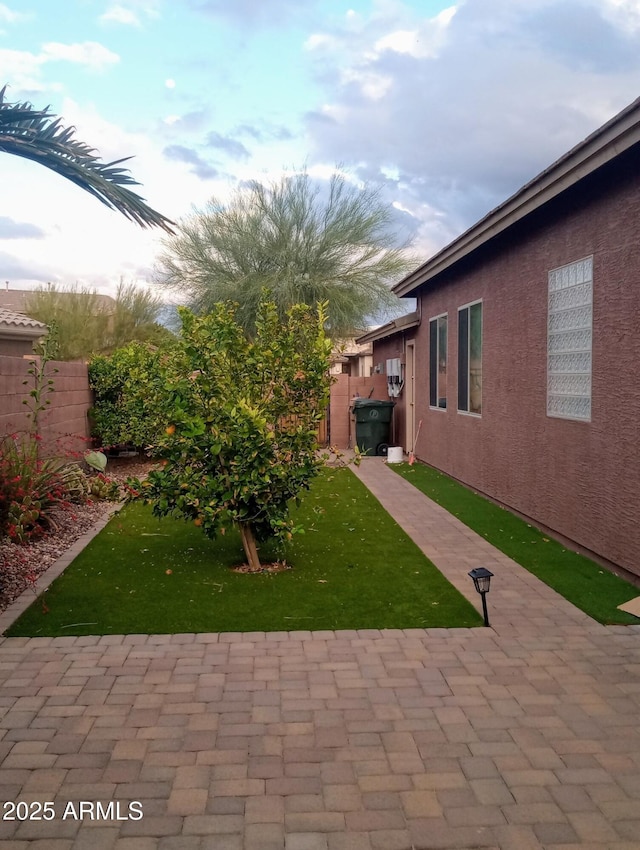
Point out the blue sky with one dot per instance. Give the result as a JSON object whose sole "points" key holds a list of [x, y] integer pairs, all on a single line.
{"points": [[449, 108]]}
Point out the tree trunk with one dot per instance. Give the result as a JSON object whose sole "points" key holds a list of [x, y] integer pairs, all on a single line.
{"points": [[249, 544]]}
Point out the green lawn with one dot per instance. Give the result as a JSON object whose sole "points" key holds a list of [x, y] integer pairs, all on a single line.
{"points": [[354, 568], [590, 587]]}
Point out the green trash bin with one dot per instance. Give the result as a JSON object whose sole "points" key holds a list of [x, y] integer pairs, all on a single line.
{"points": [[373, 425]]}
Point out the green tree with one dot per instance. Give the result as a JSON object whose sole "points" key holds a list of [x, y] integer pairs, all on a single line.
{"points": [[38, 135], [137, 317], [80, 318], [89, 324], [240, 441], [305, 245]]}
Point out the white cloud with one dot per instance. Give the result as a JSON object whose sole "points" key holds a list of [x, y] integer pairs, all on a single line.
{"points": [[119, 15], [9, 16], [83, 240], [89, 53], [426, 40], [469, 105], [357, 48], [373, 86], [319, 41], [170, 84], [130, 12], [625, 13], [402, 41], [24, 70]]}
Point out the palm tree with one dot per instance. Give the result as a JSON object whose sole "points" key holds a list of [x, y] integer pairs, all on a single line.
{"points": [[39, 135]]}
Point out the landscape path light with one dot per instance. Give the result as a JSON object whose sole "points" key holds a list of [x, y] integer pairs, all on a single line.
{"points": [[482, 579]]}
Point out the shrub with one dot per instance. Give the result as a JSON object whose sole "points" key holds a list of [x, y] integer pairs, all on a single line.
{"points": [[124, 386], [30, 488]]}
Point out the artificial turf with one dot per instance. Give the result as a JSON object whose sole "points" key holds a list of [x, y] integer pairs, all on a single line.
{"points": [[587, 585], [353, 568]]}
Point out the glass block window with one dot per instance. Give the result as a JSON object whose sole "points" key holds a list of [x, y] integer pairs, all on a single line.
{"points": [[569, 341], [438, 362]]}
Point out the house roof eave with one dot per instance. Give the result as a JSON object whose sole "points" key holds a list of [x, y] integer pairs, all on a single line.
{"points": [[605, 144], [16, 332], [402, 323], [15, 325]]}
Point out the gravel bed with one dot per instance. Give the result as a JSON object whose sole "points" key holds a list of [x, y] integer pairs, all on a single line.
{"points": [[21, 565]]}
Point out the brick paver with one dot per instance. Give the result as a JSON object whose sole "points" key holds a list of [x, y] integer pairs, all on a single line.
{"points": [[522, 736], [517, 601]]}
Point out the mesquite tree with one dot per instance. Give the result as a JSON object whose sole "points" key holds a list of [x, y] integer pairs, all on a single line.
{"points": [[242, 413]]}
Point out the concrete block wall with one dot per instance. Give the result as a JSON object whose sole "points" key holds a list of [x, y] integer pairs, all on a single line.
{"points": [[343, 391], [63, 426]]}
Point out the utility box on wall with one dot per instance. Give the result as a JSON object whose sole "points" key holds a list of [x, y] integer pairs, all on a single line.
{"points": [[394, 377]]}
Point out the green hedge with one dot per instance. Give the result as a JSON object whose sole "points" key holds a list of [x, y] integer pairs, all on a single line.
{"points": [[124, 410]]}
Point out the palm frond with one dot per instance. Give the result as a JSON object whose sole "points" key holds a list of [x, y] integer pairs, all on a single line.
{"points": [[40, 136]]}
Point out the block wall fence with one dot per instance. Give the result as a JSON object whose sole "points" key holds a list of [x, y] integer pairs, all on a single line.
{"points": [[343, 391], [64, 425]]}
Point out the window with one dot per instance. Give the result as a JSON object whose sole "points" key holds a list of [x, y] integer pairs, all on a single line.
{"points": [[569, 341], [470, 358], [438, 362]]}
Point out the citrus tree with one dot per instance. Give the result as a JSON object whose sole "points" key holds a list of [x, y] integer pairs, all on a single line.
{"points": [[240, 441]]}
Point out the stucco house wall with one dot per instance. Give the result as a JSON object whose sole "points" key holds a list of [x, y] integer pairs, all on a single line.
{"points": [[343, 391], [390, 342], [579, 478], [388, 349]]}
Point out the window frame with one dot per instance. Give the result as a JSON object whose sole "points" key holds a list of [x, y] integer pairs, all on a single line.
{"points": [[434, 321], [467, 382]]}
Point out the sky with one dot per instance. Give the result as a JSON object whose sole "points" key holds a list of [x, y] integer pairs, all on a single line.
{"points": [[448, 109]]}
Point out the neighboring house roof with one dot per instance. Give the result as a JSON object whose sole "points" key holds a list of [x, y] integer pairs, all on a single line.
{"points": [[17, 299], [402, 323], [342, 351], [605, 144], [17, 325]]}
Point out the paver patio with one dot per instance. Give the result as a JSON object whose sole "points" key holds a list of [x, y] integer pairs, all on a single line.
{"points": [[521, 736]]}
